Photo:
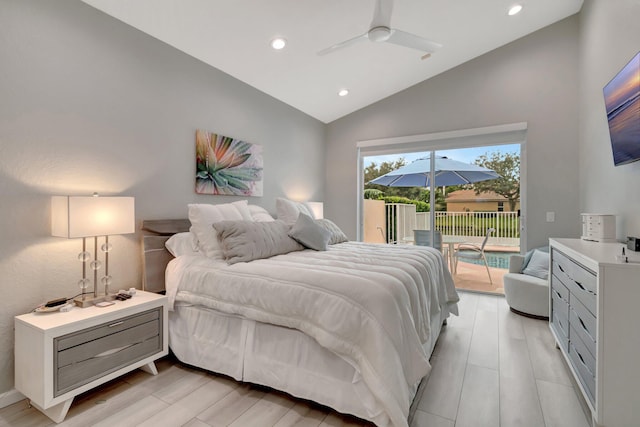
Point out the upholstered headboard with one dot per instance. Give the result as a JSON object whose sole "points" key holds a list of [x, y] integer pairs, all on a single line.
{"points": [[155, 255]]}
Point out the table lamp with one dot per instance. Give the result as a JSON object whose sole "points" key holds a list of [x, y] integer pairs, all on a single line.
{"points": [[92, 216], [317, 209]]}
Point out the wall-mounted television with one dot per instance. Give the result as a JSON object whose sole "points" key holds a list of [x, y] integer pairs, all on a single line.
{"points": [[622, 101]]}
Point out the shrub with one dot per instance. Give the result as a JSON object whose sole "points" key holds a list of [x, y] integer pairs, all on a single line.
{"points": [[420, 205], [373, 194]]}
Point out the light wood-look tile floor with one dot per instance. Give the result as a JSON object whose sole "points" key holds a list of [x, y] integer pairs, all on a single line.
{"points": [[490, 368]]}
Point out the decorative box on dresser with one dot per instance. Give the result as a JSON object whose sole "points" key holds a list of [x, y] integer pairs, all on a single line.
{"points": [[595, 320], [598, 227], [59, 355]]}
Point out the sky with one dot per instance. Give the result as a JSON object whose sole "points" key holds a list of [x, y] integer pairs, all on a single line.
{"points": [[466, 155]]}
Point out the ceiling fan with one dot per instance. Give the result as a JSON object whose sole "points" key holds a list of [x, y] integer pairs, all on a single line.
{"points": [[380, 31]]}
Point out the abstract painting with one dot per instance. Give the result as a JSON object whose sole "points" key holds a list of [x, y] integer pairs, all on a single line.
{"points": [[227, 166]]}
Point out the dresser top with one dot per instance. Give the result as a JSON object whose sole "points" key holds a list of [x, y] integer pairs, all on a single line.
{"points": [[597, 253]]}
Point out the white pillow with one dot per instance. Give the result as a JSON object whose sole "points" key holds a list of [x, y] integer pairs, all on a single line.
{"points": [[202, 217], [260, 214], [538, 265], [182, 244], [288, 210]]}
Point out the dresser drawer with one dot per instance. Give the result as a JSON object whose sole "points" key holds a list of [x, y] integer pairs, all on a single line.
{"points": [[559, 305], [584, 365], [584, 324], [580, 281], [560, 313], [561, 327], [560, 289], [83, 356]]}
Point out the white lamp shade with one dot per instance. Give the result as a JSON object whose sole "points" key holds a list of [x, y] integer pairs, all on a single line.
{"points": [[77, 216], [317, 208]]}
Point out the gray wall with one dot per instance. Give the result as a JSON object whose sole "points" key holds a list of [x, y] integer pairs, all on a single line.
{"points": [[609, 38], [89, 104], [533, 80]]}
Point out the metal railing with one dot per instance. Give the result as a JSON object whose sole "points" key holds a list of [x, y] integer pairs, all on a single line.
{"points": [[402, 219]]}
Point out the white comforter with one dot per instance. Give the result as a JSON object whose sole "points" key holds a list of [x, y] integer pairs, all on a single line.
{"points": [[368, 303]]}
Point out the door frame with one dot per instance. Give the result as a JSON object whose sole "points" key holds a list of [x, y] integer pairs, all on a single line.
{"points": [[514, 133]]}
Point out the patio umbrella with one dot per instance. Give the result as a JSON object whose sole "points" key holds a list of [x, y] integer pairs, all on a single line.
{"points": [[447, 172]]}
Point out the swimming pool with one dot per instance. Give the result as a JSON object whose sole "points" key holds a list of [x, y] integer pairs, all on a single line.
{"points": [[494, 259]]}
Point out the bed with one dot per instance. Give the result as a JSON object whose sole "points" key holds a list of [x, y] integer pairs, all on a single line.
{"points": [[351, 328]]}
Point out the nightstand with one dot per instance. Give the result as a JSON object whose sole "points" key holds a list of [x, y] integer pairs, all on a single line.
{"points": [[59, 355]]}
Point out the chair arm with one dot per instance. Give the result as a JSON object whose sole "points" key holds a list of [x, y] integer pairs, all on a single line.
{"points": [[515, 263], [468, 247]]}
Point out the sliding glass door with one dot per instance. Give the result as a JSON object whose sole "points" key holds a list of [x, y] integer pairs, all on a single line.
{"points": [[473, 207]]}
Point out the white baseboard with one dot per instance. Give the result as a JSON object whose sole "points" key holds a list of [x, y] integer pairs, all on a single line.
{"points": [[10, 397]]}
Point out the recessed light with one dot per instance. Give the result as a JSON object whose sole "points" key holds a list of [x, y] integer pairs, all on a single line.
{"points": [[515, 9], [343, 92], [278, 43]]}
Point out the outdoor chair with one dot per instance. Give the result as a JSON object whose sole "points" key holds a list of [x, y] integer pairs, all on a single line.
{"points": [[423, 238], [472, 251]]}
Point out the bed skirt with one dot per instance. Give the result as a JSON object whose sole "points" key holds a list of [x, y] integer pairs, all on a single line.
{"points": [[278, 357]]}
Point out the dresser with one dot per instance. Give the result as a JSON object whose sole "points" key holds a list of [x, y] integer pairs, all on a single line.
{"points": [[59, 355], [595, 317]]}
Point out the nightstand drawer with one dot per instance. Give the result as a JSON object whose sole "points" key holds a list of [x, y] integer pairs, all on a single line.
{"points": [[83, 356], [86, 335]]}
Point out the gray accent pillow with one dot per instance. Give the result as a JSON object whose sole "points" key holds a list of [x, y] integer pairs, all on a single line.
{"points": [[336, 235], [311, 235], [527, 256], [538, 265], [244, 241]]}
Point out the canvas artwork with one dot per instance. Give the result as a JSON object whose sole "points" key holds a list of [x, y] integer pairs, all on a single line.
{"points": [[227, 166]]}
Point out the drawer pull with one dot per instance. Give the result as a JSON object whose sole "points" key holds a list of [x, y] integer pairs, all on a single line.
{"points": [[583, 325], [113, 351], [583, 288], [561, 269], [116, 324], [583, 362]]}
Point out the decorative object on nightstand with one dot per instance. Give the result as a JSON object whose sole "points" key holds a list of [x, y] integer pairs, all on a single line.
{"points": [[598, 227], [80, 216]]}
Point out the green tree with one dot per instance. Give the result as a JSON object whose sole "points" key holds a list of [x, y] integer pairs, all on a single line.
{"points": [[373, 171], [507, 165]]}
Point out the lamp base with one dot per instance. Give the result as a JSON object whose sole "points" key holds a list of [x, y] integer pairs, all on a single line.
{"points": [[90, 300]]}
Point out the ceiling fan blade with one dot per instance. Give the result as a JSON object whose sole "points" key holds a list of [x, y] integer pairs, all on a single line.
{"points": [[343, 44], [382, 14], [412, 41]]}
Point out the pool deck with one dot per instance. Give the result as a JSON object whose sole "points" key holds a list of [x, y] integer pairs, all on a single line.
{"points": [[474, 277]]}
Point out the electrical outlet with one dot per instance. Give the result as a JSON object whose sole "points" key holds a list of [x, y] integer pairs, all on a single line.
{"points": [[551, 216]]}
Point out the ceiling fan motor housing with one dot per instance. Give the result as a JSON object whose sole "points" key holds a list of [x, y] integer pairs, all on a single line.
{"points": [[379, 34]]}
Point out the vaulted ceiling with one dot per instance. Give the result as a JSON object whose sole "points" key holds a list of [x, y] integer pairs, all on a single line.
{"points": [[234, 36]]}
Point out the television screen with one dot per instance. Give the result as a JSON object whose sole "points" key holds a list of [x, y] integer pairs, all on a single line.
{"points": [[622, 101]]}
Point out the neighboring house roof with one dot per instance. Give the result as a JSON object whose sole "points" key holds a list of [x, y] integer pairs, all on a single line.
{"points": [[470, 196]]}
